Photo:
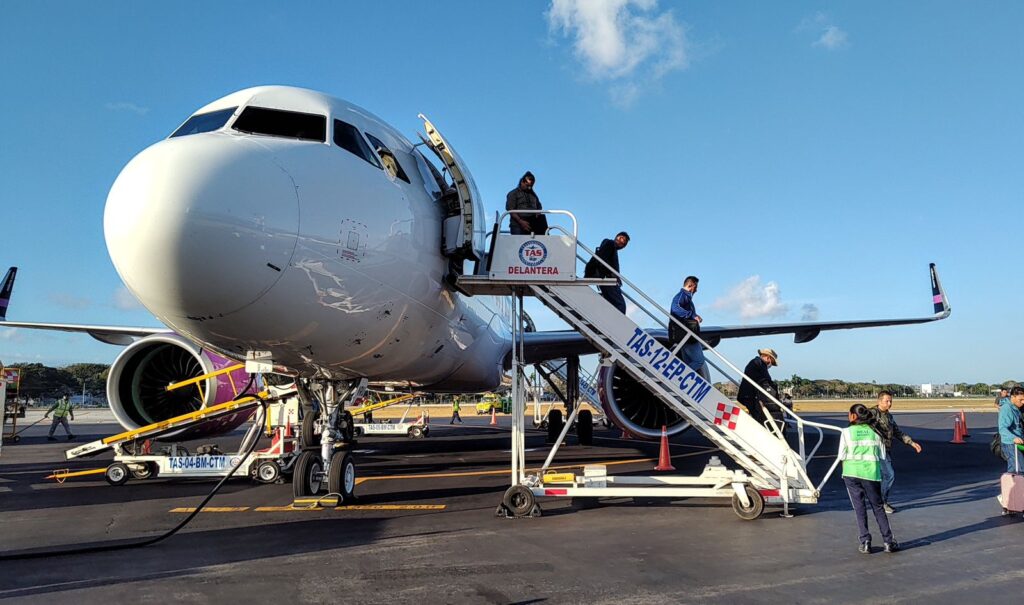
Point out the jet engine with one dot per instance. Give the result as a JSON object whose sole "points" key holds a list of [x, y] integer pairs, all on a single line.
{"points": [[138, 379], [633, 408]]}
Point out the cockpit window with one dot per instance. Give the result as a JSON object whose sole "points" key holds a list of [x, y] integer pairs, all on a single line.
{"points": [[280, 123], [347, 137], [205, 122], [388, 158]]}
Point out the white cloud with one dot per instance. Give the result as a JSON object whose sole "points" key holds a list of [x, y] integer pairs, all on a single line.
{"points": [[809, 312], [69, 301], [828, 35], [125, 300], [126, 106], [12, 334], [627, 42], [833, 38], [751, 299]]}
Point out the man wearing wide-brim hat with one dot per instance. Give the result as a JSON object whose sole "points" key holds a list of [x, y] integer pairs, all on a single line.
{"points": [[756, 372]]}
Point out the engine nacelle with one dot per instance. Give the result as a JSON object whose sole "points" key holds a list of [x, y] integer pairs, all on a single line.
{"points": [[633, 408], [138, 379]]}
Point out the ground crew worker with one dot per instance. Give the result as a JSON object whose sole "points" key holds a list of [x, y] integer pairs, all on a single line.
{"points": [[684, 312], [862, 450], [524, 198], [886, 427], [757, 371], [608, 251], [61, 410], [456, 407]]}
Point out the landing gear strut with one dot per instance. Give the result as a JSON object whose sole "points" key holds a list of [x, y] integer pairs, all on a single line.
{"points": [[328, 432]]}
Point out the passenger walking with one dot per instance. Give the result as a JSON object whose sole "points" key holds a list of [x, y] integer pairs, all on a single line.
{"points": [[1003, 397], [608, 251], [685, 312], [1010, 431], [756, 372], [456, 407], [524, 198], [61, 411], [861, 450], [886, 427]]}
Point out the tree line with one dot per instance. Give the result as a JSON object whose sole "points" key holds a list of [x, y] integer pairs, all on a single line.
{"points": [[43, 382], [808, 388]]}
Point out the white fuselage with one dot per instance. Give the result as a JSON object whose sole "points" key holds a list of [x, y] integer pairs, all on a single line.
{"points": [[252, 242]]}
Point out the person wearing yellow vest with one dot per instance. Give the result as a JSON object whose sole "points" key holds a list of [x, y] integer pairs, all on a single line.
{"points": [[61, 410], [456, 408], [862, 453]]}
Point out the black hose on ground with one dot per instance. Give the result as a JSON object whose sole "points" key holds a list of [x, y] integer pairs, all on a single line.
{"points": [[57, 552]]}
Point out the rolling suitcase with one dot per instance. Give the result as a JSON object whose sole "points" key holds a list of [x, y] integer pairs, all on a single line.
{"points": [[1011, 490]]}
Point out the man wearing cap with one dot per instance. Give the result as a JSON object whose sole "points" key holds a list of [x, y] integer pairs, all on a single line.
{"points": [[524, 198], [756, 372], [608, 252]]}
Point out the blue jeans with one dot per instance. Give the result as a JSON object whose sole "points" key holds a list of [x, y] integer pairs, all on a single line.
{"points": [[888, 476], [1011, 453], [859, 491], [693, 356]]}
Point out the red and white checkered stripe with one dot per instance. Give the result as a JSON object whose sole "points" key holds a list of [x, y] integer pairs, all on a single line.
{"points": [[726, 415]]}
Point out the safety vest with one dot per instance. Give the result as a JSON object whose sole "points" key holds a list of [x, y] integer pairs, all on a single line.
{"points": [[62, 409], [455, 406], [862, 453]]}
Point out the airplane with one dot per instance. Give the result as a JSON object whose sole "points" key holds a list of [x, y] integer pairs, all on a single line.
{"points": [[286, 221]]}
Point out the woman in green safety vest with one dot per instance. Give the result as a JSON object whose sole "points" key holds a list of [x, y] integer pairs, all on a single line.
{"points": [[862, 452]]}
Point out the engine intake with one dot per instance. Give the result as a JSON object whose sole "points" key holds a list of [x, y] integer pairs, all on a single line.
{"points": [[138, 379], [633, 408]]}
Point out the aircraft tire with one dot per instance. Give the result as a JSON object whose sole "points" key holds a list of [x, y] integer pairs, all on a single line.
{"points": [[310, 439], [554, 425], [304, 477], [342, 476], [585, 427]]}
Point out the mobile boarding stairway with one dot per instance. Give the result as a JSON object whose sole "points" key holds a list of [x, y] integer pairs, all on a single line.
{"points": [[771, 472]]}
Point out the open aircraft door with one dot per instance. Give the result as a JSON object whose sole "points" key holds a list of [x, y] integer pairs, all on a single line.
{"points": [[464, 231]]}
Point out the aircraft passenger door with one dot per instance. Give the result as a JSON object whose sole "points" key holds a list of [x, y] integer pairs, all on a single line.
{"points": [[464, 231]]}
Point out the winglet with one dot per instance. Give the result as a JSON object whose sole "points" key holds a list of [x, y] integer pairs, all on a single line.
{"points": [[942, 308], [5, 291]]}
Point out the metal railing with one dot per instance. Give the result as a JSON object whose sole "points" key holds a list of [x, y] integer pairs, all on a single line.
{"points": [[797, 420]]}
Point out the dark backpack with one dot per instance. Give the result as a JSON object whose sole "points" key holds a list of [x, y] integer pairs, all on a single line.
{"points": [[997, 447]]}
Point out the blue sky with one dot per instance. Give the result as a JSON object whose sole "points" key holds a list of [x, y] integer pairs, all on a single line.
{"points": [[803, 158]]}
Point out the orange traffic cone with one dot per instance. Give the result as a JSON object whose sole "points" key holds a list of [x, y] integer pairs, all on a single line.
{"points": [[664, 459], [494, 416], [963, 425], [958, 433]]}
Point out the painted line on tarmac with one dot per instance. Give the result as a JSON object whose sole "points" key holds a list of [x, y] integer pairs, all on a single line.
{"points": [[212, 509], [507, 471]]}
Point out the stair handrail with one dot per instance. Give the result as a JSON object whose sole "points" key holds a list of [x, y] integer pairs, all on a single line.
{"points": [[800, 421]]}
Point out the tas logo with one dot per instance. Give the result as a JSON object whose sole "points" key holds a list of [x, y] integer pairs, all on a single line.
{"points": [[533, 253]]}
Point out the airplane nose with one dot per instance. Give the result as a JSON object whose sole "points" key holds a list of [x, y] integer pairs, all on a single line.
{"points": [[201, 226]]}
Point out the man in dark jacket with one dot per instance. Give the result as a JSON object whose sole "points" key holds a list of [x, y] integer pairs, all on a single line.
{"points": [[757, 371], [886, 427], [608, 251], [523, 198]]}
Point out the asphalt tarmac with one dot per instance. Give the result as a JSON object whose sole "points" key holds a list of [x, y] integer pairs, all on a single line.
{"points": [[425, 531]]}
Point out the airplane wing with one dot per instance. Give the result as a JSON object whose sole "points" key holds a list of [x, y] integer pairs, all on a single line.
{"points": [[541, 346], [115, 335]]}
